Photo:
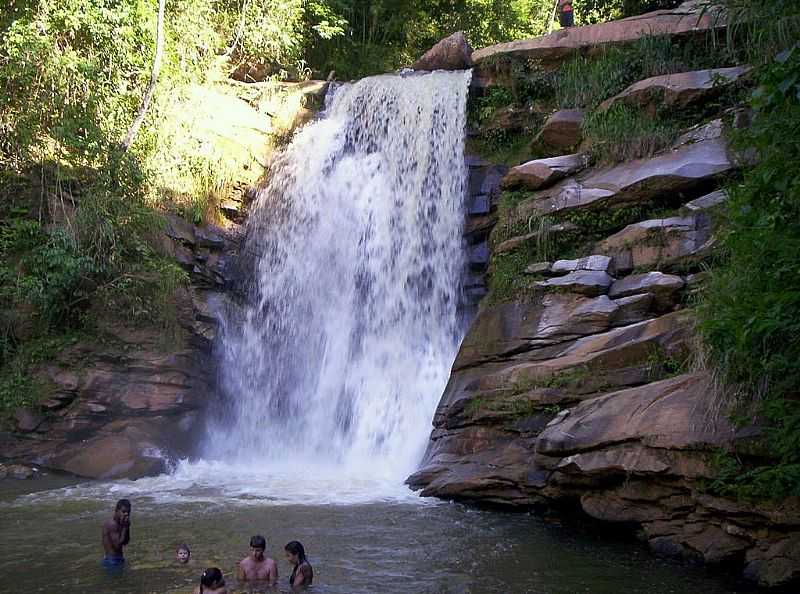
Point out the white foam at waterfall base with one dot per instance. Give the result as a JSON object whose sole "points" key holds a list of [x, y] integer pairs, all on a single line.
{"points": [[354, 256]]}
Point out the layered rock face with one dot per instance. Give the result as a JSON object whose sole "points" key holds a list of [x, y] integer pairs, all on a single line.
{"points": [[580, 388], [130, 404]]}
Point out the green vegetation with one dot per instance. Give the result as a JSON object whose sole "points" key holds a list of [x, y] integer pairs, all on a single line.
{"points": [[623, 133], [750, 311]]}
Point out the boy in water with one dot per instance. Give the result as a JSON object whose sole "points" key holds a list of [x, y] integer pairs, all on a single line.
{"points": [[182, 554], [117, 534], [257, 567]]}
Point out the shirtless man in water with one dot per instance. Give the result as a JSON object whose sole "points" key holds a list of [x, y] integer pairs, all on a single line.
{"points": [[257, 567], [116, 534]]}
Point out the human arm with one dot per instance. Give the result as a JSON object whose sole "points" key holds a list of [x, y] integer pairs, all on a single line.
{"points": [[272, 578], [241, 575], [302, 576]]}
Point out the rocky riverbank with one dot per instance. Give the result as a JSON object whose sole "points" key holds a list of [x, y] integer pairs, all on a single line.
{"points": [[580, 382]]}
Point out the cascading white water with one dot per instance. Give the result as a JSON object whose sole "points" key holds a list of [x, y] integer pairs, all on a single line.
{"points": [[356, 254]]}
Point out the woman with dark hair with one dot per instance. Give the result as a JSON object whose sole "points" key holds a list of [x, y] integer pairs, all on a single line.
{"points": [[211, 582], [302, 574]]}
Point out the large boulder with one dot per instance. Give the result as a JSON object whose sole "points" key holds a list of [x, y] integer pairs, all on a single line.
{"points": [[677, 91], [451, 53], [563, 130]]}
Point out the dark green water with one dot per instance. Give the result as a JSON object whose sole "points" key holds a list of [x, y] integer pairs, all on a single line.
{"points": [[50, 542]]}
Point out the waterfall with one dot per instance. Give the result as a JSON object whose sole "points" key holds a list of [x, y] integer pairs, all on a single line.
{"points": [[354, 256]]}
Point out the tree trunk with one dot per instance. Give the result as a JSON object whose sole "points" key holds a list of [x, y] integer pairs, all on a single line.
{"points": [[151, 87]]}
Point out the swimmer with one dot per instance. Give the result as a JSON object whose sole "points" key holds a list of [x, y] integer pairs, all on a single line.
{"points": [[211, 582], [117, 534], [302, 574], [257, 567], [182, 554]]}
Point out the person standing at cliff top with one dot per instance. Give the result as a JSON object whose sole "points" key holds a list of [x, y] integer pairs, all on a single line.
{"points": [[566, 17], [117, 534]]}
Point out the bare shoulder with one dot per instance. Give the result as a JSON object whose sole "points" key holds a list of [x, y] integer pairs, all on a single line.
{"points": [[271, 562], [109, 524]]}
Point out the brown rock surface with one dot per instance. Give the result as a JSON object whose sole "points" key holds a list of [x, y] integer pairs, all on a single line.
{"points": [[564, 129], [677, 90], [126, 405], [534, 175], [556, 47], [659, 243], [451, 53], [641, 180]]}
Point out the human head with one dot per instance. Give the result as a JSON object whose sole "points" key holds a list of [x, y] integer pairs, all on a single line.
{"points": [[295, 552], [258, 545], [212, 577], [122, 511], [182, 553]]}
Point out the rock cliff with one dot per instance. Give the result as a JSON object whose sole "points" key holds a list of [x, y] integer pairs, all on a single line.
{"points": [[578, 384]]}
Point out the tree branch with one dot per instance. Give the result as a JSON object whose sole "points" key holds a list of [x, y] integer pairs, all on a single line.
{"points": [[151, 87]]}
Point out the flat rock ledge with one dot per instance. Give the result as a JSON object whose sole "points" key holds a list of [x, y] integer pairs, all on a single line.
{"points": [[560, 45]]}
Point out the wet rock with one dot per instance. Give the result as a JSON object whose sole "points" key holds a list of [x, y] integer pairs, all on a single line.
{"points": [[708, 201], [665, 288], [564, 129], [552, 49], [180, 230], [451, 53], [776, 563], [541, 173], [28, 420], [594, 263], [677, 90], [659, 243], [210, 237], [584, 282], [636, 181], [479, 256], [702, 132], [538, 268], [20, 472]]}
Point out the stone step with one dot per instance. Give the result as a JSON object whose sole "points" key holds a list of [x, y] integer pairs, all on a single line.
{"points": [[659, 243], [677, 91], [643, 180], [541, 173]]}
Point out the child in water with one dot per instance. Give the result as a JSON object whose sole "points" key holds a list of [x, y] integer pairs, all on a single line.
{"points": [[211, 582], [182, 554]]}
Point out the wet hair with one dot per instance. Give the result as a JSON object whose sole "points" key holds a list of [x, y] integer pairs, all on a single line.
{"points": [[123, 504], [295, 548], [258, 542], [183, 547], [211, 576]]}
